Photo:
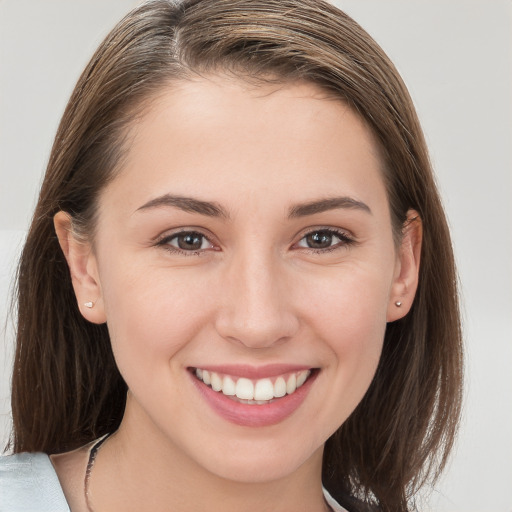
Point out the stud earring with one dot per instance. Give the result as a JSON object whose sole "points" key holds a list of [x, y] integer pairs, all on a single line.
{"points": [[89, 304], [398, 304]]}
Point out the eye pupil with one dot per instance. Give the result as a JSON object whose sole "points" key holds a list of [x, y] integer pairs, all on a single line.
{"points": [[190, 241], [319, 240]]}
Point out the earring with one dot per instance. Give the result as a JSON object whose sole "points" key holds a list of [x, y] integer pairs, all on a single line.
{"points": [[398, 304], [89, 304]]}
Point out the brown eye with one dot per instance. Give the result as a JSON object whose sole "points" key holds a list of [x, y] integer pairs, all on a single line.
{"points": [[323, 239], [189, 241], [319, 240]]}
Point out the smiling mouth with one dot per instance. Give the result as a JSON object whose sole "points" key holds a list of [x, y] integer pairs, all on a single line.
{"points": [[253, 391]]}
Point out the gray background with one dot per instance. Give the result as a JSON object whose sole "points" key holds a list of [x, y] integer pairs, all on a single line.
{"points": [[455, 56]]}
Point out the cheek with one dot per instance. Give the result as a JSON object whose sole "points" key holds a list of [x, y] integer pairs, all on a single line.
{"points": [[350, 306], [150, 317], [349, 315], [355, 337]]}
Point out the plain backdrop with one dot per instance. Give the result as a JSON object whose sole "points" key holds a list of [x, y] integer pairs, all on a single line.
{"points": [[455, 56]]}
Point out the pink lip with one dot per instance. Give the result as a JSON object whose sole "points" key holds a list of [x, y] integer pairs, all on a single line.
{"points": [[253, 415]]}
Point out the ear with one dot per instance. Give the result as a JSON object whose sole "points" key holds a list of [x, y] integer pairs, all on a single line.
{"points": [[407, 268], [83, 268]]}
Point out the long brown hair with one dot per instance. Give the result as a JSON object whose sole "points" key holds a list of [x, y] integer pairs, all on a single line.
{"points": [[66, 387]]}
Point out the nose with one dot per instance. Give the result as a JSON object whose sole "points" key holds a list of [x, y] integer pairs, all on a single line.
{"points": [[255, 307]]}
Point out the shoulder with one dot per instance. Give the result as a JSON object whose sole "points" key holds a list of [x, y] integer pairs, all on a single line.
{"points": [[28, 483]]}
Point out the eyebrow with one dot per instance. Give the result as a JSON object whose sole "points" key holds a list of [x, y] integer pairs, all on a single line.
{"points": [[187, 204], [212, 209], [323, 205]]}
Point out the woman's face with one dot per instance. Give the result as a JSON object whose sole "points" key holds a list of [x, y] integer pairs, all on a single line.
{"points": [[246, 244]]}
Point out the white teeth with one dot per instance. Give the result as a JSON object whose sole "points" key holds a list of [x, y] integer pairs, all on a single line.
{"points": [[245, 389], [279, 387], [301, 378], [259, 392], [264, 390], [228, 386], [291, 385], [216, 382]]}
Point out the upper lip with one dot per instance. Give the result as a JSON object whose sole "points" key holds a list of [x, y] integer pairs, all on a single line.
{"points": [[254, 372]]}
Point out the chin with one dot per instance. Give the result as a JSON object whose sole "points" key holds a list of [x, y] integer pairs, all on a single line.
{"points": [[257, 462]]}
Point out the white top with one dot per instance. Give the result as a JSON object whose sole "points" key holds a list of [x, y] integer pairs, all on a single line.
{"points": [[29, 483]]}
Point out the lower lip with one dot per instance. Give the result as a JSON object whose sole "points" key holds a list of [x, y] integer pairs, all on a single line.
{"points": [[254, 415]]}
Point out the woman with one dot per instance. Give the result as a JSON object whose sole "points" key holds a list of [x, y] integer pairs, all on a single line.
{"points": [[229, 298]]}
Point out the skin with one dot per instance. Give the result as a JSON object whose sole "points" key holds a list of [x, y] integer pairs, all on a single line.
{"points": [[254, 294]]}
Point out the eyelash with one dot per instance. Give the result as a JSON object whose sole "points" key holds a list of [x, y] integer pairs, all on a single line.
{"points": [[344, 241], [165, 243]]}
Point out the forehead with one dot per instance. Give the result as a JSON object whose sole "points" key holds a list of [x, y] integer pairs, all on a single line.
{"points": [[215, 134]]}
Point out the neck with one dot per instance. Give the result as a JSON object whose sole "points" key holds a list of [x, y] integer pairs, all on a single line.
{"points": [[135, 471]]}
